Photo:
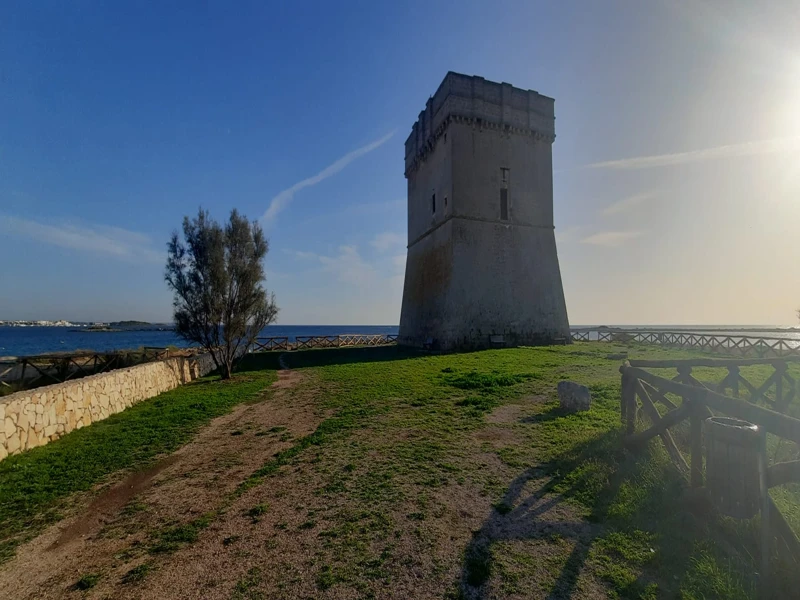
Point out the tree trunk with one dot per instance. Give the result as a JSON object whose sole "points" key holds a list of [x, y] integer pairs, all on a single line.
{"points": [[227, 370]]}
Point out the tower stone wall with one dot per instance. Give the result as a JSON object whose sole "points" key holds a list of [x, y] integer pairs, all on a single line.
{"points": [[482, 267]]}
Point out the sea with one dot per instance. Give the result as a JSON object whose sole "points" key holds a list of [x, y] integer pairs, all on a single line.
{"points": [[27, 341]]}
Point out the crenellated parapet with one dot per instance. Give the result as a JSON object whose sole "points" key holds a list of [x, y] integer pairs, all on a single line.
{"points": [[481, 103]]}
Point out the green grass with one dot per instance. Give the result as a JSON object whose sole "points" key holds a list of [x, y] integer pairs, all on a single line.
{"points": [[406, 433], [35, 484], [420, 411], [473, 380], [258, 511], [87, 582], [247, 587], [171, 539], [137, 574]]}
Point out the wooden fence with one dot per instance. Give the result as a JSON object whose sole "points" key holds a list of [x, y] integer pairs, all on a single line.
{"points": [[732, 344], [306, 342], [268, 344], [665, 402], [43, 369]]}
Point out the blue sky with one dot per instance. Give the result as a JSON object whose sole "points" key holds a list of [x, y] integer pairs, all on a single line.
{"points": [[677, 161]]}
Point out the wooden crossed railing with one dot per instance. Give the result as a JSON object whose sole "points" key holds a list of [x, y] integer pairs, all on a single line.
{"points": [[267, 344], [56, 368], [316, 341], [666, 402], [306, 342], [741, 345]]}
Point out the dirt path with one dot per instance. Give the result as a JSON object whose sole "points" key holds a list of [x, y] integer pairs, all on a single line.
{"points": [[110, 537], [382, 512]]}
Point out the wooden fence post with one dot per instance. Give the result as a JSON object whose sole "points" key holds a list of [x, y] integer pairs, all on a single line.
{"points": [[696, 423], [628, 404], [733, 372], [780, 369], [765, 509]]}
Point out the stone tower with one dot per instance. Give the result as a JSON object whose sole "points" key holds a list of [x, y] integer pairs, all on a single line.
{"points": [[482, 267]]}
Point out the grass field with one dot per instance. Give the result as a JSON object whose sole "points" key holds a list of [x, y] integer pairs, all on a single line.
{"points": [[413, 445], [648, 543]]}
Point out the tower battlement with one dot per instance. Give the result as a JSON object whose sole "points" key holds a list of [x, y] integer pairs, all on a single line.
{"points": [[482, 266], [470, 98]]}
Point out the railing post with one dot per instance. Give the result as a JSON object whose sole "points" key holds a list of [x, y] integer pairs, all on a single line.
{"points": [[766, 540], [696, 426], [628, 405], [733, 375], [696, 430], [780, 369]]}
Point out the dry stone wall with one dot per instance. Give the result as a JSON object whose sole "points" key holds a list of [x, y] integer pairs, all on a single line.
{"points": [[35, 417]]}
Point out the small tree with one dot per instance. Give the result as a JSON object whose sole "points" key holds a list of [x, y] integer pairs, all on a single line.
{"points": [[216, 275]]}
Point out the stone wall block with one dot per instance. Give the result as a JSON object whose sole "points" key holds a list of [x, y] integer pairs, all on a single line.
{"points": [[13, 443], [36, 417], [22, 422]]}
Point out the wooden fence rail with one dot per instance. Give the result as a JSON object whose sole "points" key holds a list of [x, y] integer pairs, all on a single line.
{"points": [[267, 344], [733, 344], [306, 342], [685, 398], [42, 369]]}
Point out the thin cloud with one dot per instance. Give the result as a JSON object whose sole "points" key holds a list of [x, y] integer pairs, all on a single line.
{"points": [[280, 201], [104, 240], [349, 267], [399, 262], [387, 240], [301, 254], [565, 236], [756, 148], [611, 239], [626, 203]]}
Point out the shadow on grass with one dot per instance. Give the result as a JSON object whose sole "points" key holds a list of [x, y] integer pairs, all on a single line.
{"points": [[260, 361], [597, 475], [551, 414], [323, 357]]}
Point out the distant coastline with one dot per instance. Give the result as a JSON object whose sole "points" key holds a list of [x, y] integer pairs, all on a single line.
{"points": [[113, 326], [39, 324]]}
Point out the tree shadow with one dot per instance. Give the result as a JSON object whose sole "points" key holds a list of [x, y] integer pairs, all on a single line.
{"points": [[258, 361], [525, 515], [323, 357]]}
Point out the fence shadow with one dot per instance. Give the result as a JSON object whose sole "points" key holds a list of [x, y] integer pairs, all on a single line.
{"points": [[540, 514]]}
